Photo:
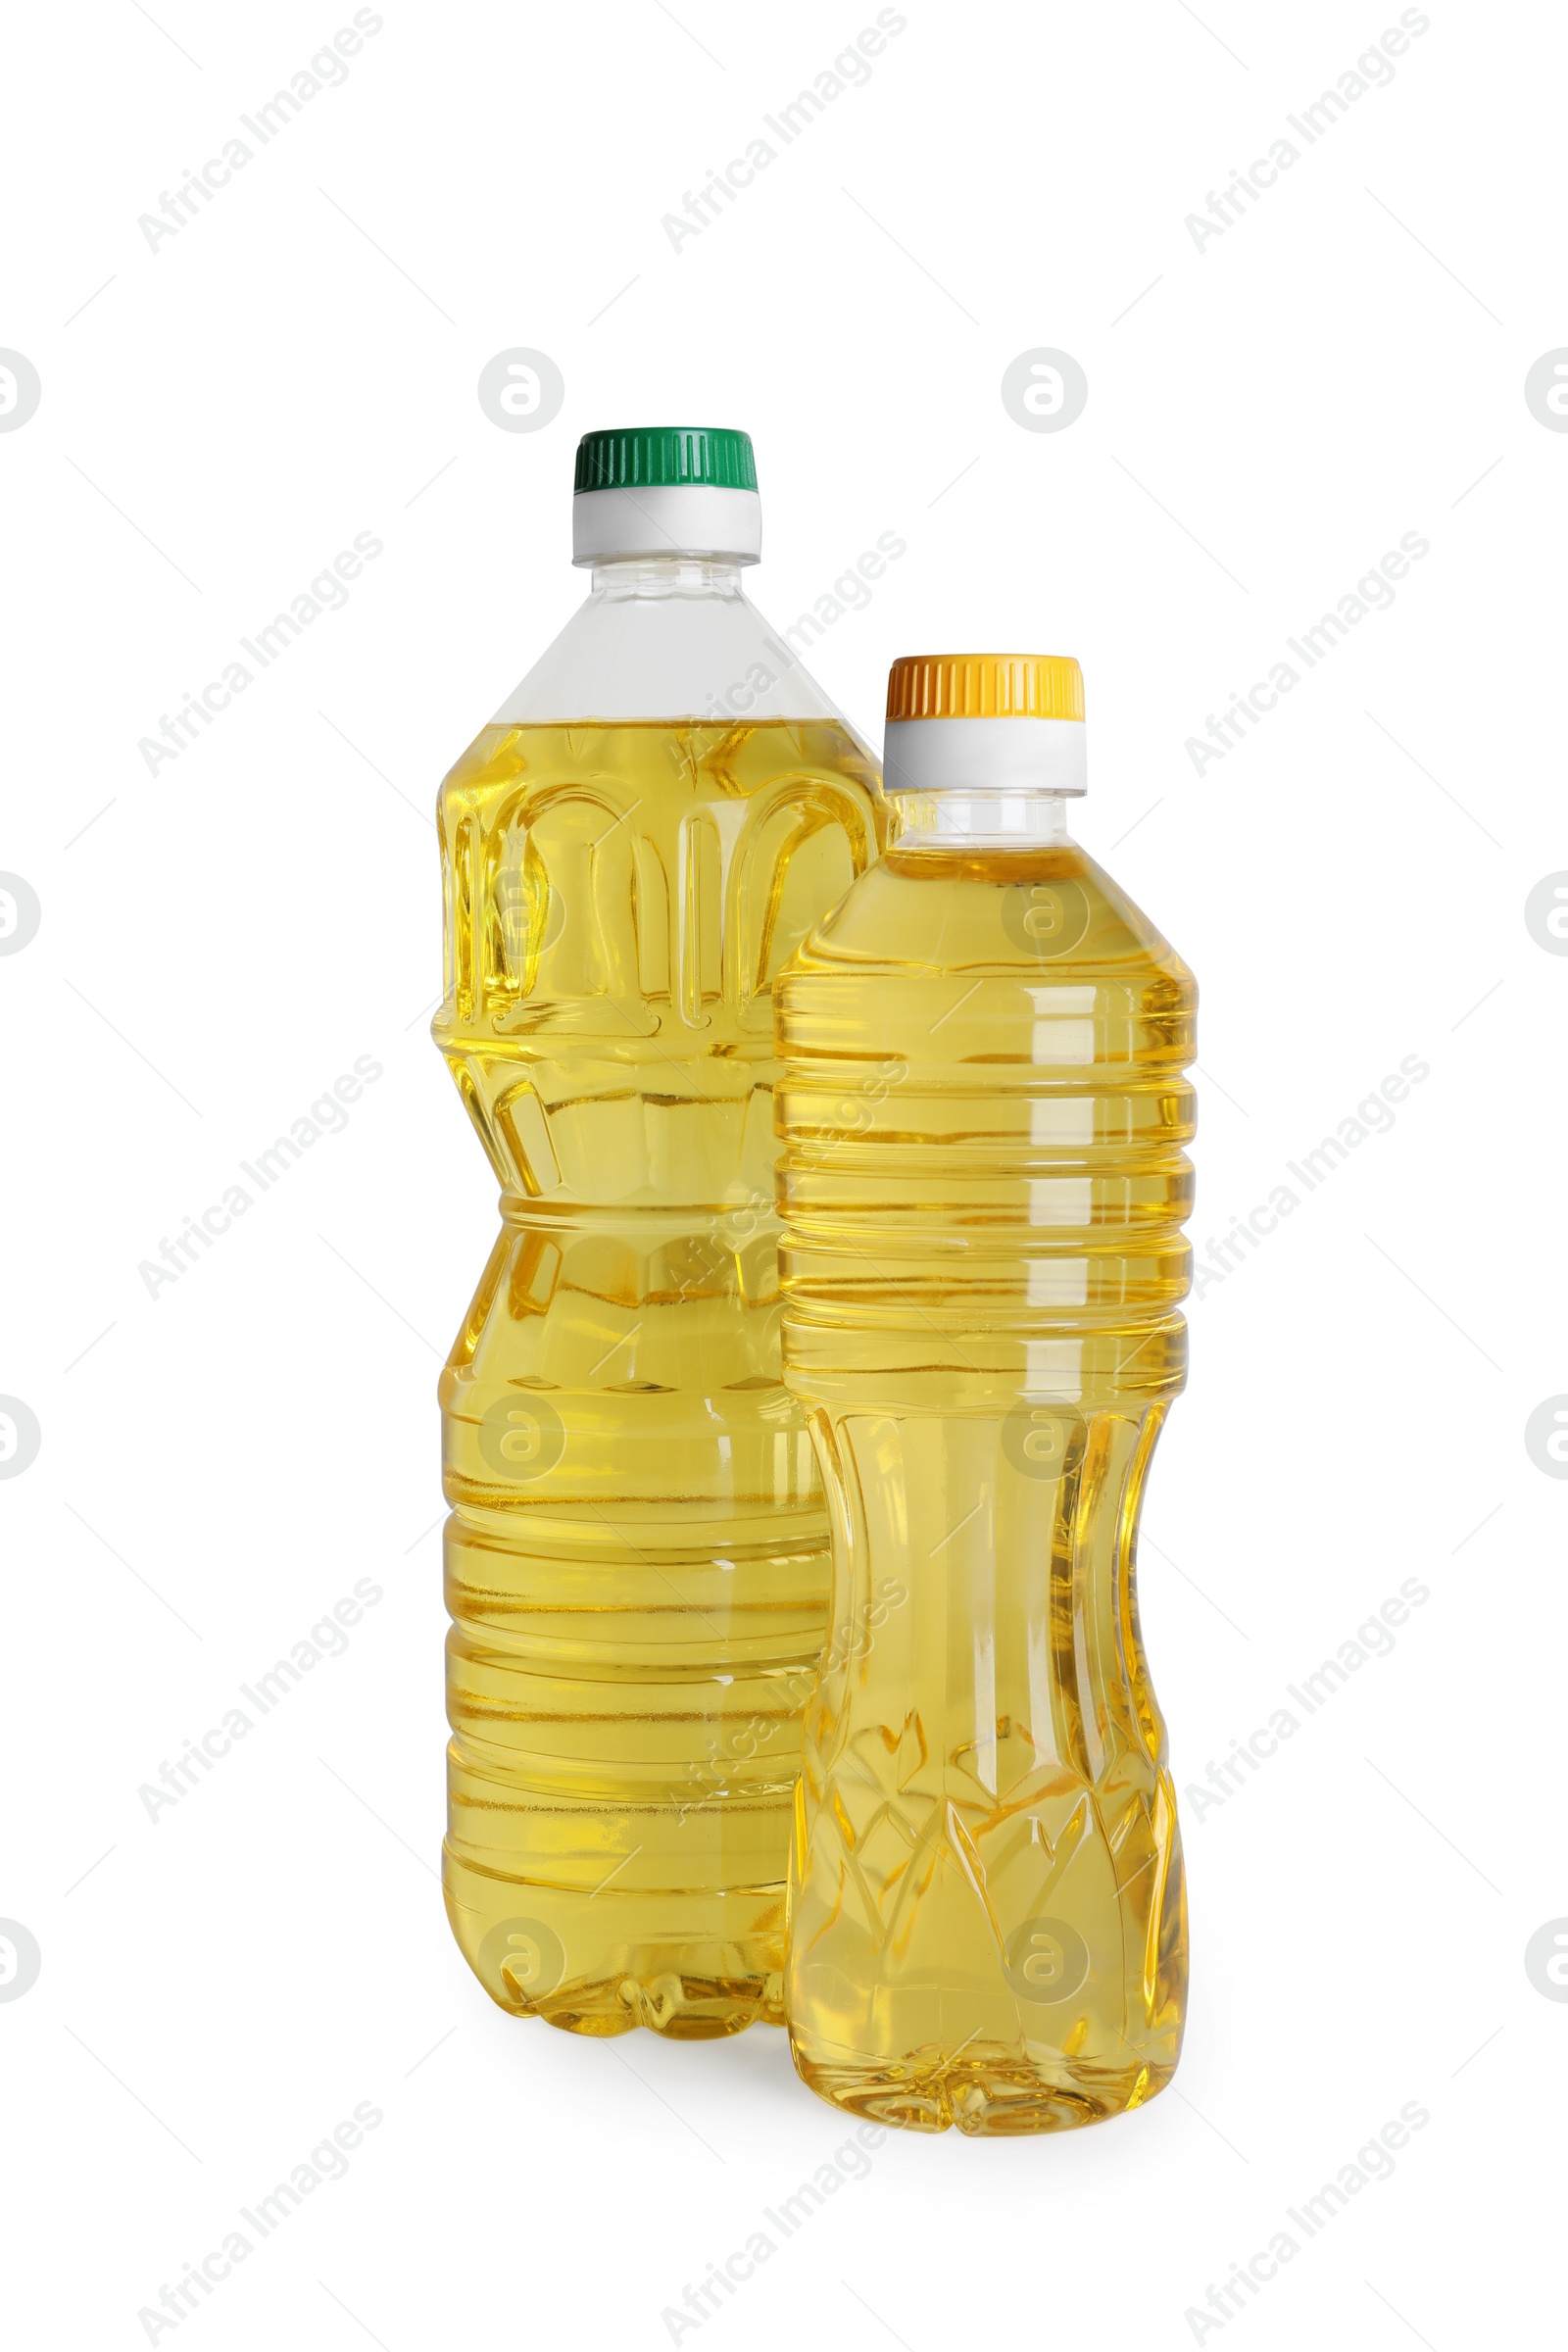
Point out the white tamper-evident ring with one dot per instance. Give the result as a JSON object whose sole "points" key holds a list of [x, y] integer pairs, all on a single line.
{"points": [[695, 519], [985, 754]]}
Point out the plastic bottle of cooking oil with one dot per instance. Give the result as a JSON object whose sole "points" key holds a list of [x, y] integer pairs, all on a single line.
{"points": [[984, 1107], [637, 1558]]}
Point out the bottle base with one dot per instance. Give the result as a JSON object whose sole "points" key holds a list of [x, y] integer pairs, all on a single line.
{"points": [[987, 2092], [585, 1966], [682, 2008]]}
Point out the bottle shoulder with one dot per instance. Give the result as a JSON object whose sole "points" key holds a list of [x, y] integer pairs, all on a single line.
{"points": [[672, 652], [511, 771], [641, 879], [1047, 914]]}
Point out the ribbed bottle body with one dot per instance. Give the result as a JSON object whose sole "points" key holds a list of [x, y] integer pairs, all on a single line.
{"points": [[636, 1555], [983, 1114]]}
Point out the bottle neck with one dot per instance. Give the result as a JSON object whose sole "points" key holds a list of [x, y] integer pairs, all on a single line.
{"points": [[1010, 819], [617, 579], [668, 636]]}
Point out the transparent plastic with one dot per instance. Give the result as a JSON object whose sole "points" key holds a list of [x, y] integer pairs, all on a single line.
{"points": [[637, 1549], [672, 636], [984, 1110]]}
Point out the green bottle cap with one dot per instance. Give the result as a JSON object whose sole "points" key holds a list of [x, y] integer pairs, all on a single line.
{"points": [[665, 457]]}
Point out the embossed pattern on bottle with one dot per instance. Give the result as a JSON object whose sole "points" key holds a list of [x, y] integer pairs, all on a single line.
{"points": [[984, 1111], [636, 1554]]}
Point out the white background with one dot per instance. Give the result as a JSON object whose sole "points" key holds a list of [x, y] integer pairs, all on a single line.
{"points": [[220, 1463]]}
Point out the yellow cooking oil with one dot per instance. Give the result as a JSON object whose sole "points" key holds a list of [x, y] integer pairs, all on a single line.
{"points": [[984, 1111], [636, 1556]]}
